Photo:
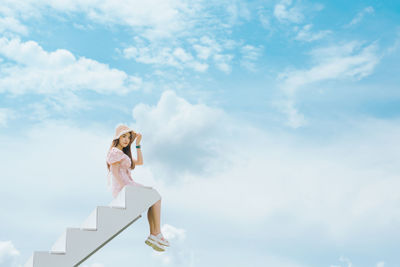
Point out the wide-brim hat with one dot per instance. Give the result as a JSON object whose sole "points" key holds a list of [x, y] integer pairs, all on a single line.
{"points": [[123, 129]]}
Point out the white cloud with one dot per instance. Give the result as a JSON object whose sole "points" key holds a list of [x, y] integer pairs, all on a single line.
{"points": [[250, 54], [237, 10], [352, 60], [32, 69], [163, 56], [152, 18], [222, 61], [305, 34], [205, 51], [182, 55], [166, 25], [172, 233], [179, 123], [294, 118], [6, 114], [357, 19], [207, 47], [285, 12], [8, 254], [179, 254], [13, 25]]}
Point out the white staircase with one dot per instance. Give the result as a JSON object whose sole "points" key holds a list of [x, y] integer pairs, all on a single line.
{"points": [[75, 245]]}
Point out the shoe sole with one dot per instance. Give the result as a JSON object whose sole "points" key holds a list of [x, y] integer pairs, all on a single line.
{"points": [[160, 241], [154, 246]]}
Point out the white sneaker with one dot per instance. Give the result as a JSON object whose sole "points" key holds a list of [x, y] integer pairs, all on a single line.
{"points": [[154, 244], [160, 239]]}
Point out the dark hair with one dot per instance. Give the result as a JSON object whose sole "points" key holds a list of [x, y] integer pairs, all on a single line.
{"points": [[126, 150]]}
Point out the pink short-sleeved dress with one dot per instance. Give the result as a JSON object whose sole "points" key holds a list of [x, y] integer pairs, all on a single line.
{"points": [[117, 155]]}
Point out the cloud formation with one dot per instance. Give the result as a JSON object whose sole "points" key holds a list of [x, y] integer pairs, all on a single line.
{"points": [[284, 11], [6, 114], [180, 125], [358, 18], [29, 68], [250, 55], [198, 55], [305, 34], [8, 254], [179, 254], [152, 18], [10, 24], [163, 56], [352, 60]]}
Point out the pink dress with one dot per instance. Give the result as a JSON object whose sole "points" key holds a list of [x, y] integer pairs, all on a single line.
{"points": [[117, 155]]}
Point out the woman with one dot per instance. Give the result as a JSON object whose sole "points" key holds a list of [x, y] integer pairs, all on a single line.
{"points": [[120, 163]]}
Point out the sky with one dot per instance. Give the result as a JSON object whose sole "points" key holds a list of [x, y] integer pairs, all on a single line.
{"points": [[269, 128]]}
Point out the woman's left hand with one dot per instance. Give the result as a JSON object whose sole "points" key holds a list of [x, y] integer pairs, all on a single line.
{"points": [[138, 138]]}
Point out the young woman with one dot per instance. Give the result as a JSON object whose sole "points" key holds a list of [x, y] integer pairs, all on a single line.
{"points": [[119, 164]]}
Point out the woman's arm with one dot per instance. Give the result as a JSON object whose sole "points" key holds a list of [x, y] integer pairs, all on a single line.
{"points": [[115, 171], [139, 160]]}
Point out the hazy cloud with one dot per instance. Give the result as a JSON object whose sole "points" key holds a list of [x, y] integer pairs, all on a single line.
{"points": [[351, 60], [8, 254], [358, 18]]}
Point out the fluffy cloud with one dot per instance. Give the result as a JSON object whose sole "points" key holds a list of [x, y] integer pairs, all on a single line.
{"points": [[8, 254], [10, 24], [178, 254], [178, 124], [29, 68]]}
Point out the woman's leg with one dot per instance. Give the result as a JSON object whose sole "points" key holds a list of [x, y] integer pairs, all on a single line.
{"points": [[153, 215], [150, 219]]}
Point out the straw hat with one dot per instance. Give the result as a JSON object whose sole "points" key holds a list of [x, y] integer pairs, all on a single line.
{"points": [[123, 129]]}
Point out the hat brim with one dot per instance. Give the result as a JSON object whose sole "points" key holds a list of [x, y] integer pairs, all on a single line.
{"points": [[124, 132]]}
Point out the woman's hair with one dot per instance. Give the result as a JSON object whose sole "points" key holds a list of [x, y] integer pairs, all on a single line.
{"points": [[126, 150]]}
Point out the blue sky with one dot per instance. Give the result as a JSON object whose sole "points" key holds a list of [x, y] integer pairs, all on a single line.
{"points": [[270, 128]]}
